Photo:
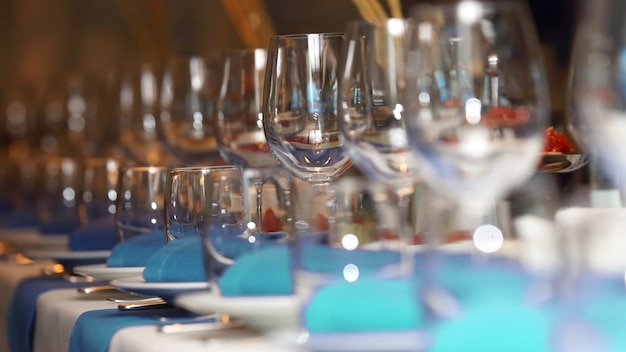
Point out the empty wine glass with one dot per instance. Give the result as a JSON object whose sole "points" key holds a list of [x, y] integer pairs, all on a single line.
{"points": [[372, 88], [239, 120], [300, 105], [137, 114], [596, 93], [98, 193], [140, 201], [187, 99], [59, 180], [476, 100]]}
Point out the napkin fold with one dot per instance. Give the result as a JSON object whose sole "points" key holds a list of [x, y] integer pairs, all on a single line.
{"points": [[136, 251], [99, 234], [19, 218], [93, 330], [246, 276], [21, 316], [177, 261], [60, 224], [365, 305], [182, 260]]}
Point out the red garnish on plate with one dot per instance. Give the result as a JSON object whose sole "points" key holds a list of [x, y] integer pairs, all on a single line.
{"points": [[555, 142]]}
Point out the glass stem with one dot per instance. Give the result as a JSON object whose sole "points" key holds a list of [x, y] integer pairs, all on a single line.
{"points": [[258, 185]]}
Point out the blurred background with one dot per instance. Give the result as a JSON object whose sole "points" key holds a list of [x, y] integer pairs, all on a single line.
{"points": [[42, 40]]}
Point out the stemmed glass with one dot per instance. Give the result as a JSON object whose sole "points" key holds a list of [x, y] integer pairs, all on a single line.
{"points": [[476, 100], [300, 105], [371, 91], [137, 113], [187, 99], [239, 120], [596, 92]]}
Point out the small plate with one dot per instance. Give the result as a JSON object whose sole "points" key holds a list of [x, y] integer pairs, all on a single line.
{"points": [[105, 273], [68, 258], [264, 313], [562, 162], [165, 290]]}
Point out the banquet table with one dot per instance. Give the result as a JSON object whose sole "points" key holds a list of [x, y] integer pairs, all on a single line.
{"points": [[58, 310]]}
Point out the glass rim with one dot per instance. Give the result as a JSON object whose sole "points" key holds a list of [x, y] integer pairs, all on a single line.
{"points": [[450, 8], [206, 168], [307, 35], [151, 168]]}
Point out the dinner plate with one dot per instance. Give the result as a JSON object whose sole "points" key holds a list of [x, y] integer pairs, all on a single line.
{"points": [[165, 290], [28, 238], [105, 273], [68, 258], [265, 313]]}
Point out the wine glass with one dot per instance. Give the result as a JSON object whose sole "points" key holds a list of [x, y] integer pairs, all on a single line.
{"points": [[371, 91], [300, 105], [595, 98], [140, 201], [476, 100], [187, 99], [59, 180], [137, 114], [240, 122], [98, 194]]}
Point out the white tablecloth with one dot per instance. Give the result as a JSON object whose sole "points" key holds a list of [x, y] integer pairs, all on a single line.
{"points": [[11, 274], [57, 311]]}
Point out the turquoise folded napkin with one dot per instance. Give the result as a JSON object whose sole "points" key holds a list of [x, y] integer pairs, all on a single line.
{"points": [[365, 305], [262, 273], [94, 329], [243, 277], [97, 235], [136, 251], [22, 310], [177, 261]]}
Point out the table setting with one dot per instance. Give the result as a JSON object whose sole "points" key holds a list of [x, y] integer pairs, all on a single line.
{"points": [[397, 186]]}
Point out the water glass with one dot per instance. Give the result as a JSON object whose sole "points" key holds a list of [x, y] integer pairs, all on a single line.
{"points": [[346, 232], [140, 201]]}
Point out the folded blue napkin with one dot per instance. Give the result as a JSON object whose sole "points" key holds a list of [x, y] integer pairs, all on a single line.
{"points": [[182, 260], [94, 329], [177, 261], [495, 317], [97, 235], [19, 219], [365, 305], [243, 277], [62, 223], [22, 310], [136, 251]]}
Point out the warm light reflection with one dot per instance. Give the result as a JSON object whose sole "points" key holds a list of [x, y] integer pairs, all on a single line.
{"points": [[488, 238]]}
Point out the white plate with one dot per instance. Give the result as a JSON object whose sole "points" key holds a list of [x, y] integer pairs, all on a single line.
{"points": [[26, 238], [105, 273], [265, 313], [67, 257], [165, 290]]}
